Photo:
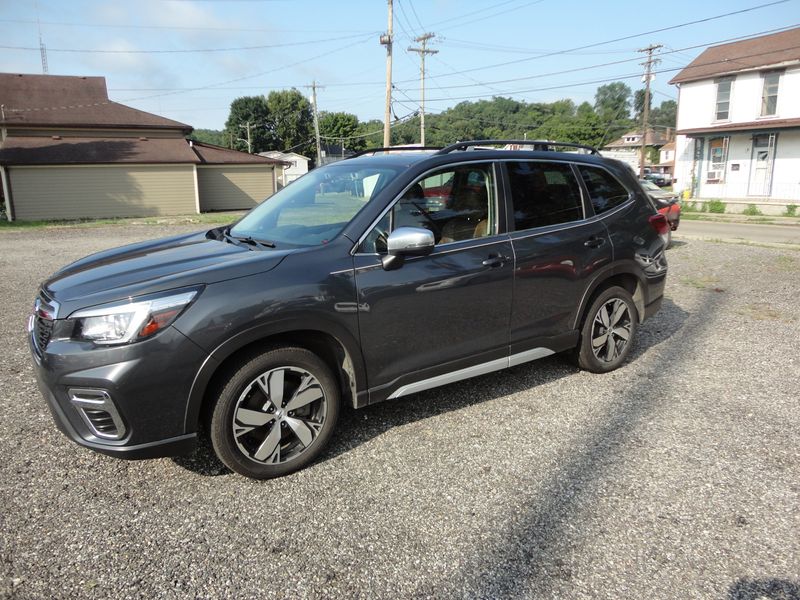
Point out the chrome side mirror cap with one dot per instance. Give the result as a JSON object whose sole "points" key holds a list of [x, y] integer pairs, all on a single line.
{"points": [[407, 241]]}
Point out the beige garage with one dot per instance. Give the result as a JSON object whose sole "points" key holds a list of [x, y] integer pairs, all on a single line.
{"points": [[98, 191], [233, 188]]}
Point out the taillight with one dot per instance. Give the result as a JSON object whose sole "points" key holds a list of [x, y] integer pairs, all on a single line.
{"points": [[660, 224]]}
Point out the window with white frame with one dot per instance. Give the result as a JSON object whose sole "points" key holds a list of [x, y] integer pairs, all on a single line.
{"points": [[724, 86], [769, 95]]}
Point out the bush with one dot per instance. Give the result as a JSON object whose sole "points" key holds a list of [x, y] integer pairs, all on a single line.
{"points": [[791, 210], [752, 211], [716, 206], [688, 207]]}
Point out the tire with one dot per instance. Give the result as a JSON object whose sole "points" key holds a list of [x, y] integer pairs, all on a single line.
{"points": [[262, 439], [614, 348]]}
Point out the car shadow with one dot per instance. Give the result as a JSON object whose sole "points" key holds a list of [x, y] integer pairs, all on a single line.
{"points": [[356, 427], [764, 589]]}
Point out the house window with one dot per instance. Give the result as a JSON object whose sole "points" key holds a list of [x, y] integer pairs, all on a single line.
{"points": [[769, 96], [724, 98], [718, 159]]}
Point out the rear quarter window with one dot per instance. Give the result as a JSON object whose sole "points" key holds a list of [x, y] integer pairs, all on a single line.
{"points": [[605, 191]]}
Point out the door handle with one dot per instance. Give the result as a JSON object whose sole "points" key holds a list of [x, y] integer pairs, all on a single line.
{"points": [[594, 242], [495, 261]]}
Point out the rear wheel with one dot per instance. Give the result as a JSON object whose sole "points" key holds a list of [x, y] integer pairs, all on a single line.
{"points": [[608, 331], [275, 413]]}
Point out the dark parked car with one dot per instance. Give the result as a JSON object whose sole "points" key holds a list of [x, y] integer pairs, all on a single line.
{"points": [[327, 294]]}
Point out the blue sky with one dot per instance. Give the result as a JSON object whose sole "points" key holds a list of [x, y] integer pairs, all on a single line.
{"points": [[155, 53]]}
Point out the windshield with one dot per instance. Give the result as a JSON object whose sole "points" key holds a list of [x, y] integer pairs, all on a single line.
{"points": [[649, 185], [314, 209]]}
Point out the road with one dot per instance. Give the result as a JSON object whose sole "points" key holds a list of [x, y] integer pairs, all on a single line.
{"points": [[751, 232]]}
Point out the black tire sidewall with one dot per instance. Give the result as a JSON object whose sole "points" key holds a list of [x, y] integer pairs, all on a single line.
{"points": [[586, 358], [252, 366]]}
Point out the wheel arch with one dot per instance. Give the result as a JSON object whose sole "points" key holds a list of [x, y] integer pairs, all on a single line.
{"points": [[335, 346], [623, 276]]}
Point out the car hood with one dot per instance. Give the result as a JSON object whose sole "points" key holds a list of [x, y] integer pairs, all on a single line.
{"points": [[155, 266]]}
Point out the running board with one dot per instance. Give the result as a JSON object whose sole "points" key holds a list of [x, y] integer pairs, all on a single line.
{"points": [[482, 369]]}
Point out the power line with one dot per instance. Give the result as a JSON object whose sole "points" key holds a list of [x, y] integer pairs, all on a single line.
{"points": [[484, 17], [186, 51], [619, 39], [180, 27]]}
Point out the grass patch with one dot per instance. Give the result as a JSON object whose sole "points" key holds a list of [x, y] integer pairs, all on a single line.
{"points": [[791, 210], [716, 206], [220, 218], [701, 282], [752, 211], [761, 311]]}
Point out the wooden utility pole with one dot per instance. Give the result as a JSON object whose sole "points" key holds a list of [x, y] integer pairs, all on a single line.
{"points": [[423, 41], [248, 140], [648, 75], [316, 122], [386, 40]]}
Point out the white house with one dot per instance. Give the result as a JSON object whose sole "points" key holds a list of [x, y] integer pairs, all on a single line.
{"points": [[739, 123], [298, 165], [628, 148]]}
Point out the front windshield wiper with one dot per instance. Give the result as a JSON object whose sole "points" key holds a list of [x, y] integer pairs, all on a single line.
{"points": [[247, 239]]}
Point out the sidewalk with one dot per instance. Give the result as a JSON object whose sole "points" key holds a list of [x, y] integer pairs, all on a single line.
{"points": [[739, 218]]}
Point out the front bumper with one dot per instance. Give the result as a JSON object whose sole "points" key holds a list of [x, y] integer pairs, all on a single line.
{"points": [[146, 383]]}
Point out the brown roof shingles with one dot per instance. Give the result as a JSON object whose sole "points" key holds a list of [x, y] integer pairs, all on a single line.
{"points": [[66, 101], [84, 150], [764, 51], [217, 155]]}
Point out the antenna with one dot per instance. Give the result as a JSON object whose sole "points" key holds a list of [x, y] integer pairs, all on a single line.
{"points": [[42, 47]]}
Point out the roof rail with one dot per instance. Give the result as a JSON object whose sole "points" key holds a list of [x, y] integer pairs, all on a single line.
{"points": [[393, 149], [537, 145]]}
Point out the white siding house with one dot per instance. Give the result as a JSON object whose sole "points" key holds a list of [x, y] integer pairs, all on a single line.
{"points": [[296, 165], [739, 123]]}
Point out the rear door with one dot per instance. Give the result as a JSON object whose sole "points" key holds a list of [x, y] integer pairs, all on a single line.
{"points": [[558, 250], [449, 310]]}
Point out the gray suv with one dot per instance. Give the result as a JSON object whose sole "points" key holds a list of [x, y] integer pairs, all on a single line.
{"points": [[392, 272]]}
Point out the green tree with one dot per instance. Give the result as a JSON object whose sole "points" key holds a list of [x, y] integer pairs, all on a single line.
{"points": [[341, 128], [252, 110], [665, 115], [292, 123], [584, 110], [210, 136], [612, 103]]}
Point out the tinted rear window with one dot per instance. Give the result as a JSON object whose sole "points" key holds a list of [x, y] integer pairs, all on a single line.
{"points": [[605, 191], [543, 194]]}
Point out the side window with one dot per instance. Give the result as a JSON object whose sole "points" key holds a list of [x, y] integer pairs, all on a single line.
{"points": [[543, 194], [605, 191], [455, 203]]}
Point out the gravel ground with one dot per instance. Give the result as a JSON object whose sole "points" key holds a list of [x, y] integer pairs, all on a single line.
{"points": [[677, 476]]}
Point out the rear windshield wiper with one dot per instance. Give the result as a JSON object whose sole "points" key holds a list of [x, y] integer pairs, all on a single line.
{"points": [[247, 239]]}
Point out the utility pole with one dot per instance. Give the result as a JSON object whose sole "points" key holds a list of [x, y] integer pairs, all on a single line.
{"points": [[247, 141], [316, 122], [386, 40], [423, 41], [648, 75]]}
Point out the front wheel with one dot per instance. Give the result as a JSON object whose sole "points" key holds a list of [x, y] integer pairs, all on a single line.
{"points": [[275, 413], [608, 331]]}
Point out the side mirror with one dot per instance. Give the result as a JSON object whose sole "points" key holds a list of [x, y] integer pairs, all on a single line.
{"points": [[407, 241]]}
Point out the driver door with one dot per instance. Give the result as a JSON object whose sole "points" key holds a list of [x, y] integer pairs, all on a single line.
{"points": [[449, 310]]}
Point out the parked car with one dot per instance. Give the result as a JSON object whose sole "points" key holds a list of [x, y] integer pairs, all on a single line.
{"points": [[260, 330], [667, 203], [660, 179]]}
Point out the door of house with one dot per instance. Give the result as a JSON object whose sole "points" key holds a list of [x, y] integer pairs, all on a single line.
{"points": [[761, 164]]}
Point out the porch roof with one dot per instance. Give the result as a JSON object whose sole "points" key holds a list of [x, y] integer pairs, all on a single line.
{"points": [[760, 125]]}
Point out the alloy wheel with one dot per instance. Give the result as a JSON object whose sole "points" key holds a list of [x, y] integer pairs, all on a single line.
{"points": [[611, 330], [279, 415]]}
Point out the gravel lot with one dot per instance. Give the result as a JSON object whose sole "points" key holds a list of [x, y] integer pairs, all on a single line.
{"points": [[677, 476]]}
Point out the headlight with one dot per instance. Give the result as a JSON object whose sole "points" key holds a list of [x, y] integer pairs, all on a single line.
{"points": [[125, 322]]}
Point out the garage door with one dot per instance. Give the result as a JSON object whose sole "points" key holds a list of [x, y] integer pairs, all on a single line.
{"points": [[233, 187], [100, 191]]}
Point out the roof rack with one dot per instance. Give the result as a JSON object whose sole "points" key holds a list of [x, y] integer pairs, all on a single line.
{"points": [[543, 145], [393, 149]]}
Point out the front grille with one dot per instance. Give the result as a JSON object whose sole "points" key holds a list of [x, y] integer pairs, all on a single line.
{"points": [[98, 411], [45, 311], [43, 329]]}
